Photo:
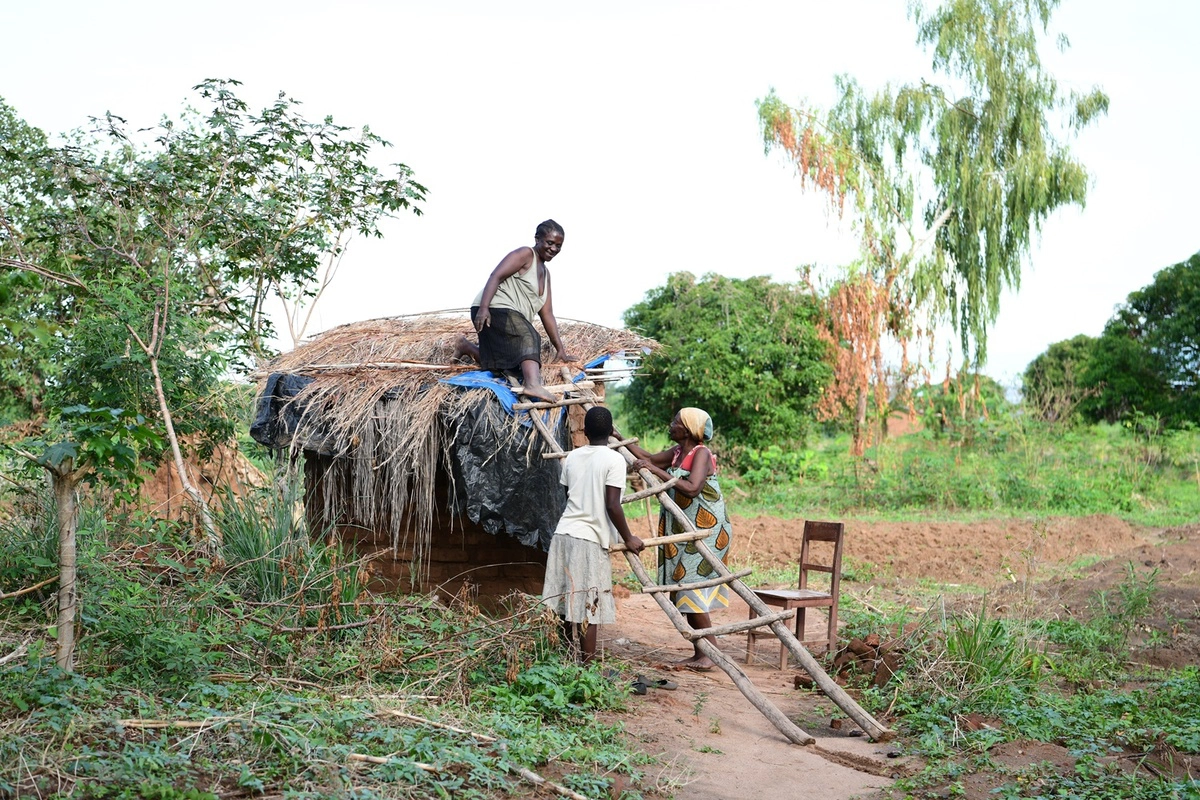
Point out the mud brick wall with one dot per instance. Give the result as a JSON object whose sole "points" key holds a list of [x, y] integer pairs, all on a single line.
{"points": [[488, 566], [461, 555], [575, 416]]}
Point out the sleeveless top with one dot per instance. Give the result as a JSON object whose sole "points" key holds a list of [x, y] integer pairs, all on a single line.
{"points": [[519, 292]]}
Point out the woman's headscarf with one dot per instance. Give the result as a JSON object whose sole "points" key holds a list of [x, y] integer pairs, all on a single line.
{"points": [[698, 423]]}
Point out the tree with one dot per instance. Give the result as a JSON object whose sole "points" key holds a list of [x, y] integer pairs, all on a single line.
{"points": [[157, 255], [33, 313], [1053, 385], [946, 182], [1148, 358], [746, 351]]}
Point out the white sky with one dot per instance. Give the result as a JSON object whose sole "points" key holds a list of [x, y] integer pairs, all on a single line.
{"points": [[632, 124]]}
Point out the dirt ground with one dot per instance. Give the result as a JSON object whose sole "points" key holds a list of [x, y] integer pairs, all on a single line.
{"points": [[713, 745]]}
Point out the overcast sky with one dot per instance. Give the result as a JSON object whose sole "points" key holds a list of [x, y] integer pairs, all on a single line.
{"points": [[633, 124]]}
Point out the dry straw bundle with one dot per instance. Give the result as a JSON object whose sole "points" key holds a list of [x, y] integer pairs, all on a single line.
{"points": [[375, 402]]}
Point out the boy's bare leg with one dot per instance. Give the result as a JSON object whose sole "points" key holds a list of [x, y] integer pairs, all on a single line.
{"points": [[465, 347], [531, 373], [588, 640], [698, 659], [570, 638]]}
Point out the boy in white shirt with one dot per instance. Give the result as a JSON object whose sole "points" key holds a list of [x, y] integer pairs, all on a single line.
{"points": [[578, 583]]}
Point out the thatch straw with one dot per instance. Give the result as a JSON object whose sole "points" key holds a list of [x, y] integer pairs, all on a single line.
{"points": [[375, 402]]}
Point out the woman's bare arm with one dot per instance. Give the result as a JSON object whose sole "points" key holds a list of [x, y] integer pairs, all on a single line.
{"points": [[702, 464], [551, 325]]}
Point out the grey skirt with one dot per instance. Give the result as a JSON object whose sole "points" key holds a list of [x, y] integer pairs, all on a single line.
{"points": [[578, 583]]}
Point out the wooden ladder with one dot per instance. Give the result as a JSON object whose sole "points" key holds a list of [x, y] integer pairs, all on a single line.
{"points": [[776, 621]]}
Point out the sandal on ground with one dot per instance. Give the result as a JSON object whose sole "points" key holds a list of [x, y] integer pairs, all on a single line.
{"points": [[639, 686], [663, 683]]}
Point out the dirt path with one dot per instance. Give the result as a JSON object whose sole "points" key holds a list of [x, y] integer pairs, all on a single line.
{"points": [[712, 741], [714, 745]]}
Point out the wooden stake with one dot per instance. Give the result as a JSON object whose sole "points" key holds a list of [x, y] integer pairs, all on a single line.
{"points": [[611, 446], [570, 401], [558, 387], [659, 541]]}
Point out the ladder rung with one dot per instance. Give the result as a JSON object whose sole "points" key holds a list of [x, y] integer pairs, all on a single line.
{"points": [[611, 446], [658, 541], [558, 387], [679, 587], [570, 401], [650, 491], [736, 627]]}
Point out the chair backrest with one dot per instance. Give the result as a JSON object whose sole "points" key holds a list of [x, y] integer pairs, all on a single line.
{"points": [[822, 532]]}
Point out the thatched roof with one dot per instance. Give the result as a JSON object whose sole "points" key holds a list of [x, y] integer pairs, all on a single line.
{"points": [[376, 404]]}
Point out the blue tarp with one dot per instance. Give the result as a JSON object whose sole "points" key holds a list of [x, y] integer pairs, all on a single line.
{"points": [[482, 379]]}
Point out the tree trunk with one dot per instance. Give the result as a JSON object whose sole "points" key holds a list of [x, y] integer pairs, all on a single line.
{"points": [[212, 539], [64, 481], [859, 445]]}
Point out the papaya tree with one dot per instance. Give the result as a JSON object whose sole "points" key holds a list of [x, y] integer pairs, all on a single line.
{"points": [[947, 180]]}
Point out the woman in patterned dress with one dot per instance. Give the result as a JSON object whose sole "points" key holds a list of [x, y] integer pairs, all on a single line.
{"points": [[698, 494]]}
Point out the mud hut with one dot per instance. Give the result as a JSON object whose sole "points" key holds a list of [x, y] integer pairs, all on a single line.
{"points": [[421, 462]]}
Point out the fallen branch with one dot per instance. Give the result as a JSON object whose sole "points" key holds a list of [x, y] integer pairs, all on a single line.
{"points": [[20, 651], [863, 602], [422, 720], [382, 760], [155, 724], [322, 628], [538, 780], [28, 589], [527, 774]]}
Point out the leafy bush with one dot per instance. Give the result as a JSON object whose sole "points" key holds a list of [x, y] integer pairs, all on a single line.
{"points": [[777, 465], [744, 350]]}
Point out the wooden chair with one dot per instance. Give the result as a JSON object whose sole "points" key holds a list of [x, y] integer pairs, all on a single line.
{"points": [[803, 598]]}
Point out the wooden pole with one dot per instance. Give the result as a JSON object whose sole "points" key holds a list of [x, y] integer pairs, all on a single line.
{"points": [[649, 491], [744, 625], [570, 401], [679, 587]]}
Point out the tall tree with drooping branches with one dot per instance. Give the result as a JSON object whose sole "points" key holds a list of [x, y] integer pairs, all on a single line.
{"points": [[947, 180]]}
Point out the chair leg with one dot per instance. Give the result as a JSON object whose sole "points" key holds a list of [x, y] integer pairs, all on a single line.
{"points": [[832, 632]]}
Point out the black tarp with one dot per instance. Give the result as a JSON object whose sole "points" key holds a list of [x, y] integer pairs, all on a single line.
{"points": [[507, 488], [276, 417], [501, 482]]}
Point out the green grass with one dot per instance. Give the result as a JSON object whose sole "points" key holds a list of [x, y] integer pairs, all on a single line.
{"points": [[1013, 467]]}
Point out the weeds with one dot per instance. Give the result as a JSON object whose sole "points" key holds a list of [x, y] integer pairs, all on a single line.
{"points": [[1023, 680], [195, 683], [1019, 467]]}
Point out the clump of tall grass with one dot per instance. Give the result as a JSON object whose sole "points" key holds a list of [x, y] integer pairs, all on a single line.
{"points": [[273, 558], [29, 541]]}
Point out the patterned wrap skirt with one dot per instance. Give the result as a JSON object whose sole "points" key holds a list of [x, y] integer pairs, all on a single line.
{"points": [[507, 341], [578, 584], [682, 563]]}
